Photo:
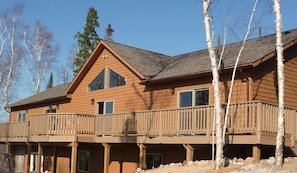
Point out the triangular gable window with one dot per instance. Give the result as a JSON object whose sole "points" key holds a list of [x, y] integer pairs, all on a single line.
{"points": [[98, 82], [113, 80]]}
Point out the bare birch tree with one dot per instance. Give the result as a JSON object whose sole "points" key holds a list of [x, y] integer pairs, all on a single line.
{"points": [[41, 53], [9, 52], [281, 79], [235, 67], [216, 85]]}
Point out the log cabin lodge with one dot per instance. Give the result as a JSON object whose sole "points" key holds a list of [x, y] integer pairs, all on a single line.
{"points": [[128, 108]]}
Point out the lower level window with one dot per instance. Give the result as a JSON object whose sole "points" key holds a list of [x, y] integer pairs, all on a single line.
{"points": [[83, 160], [153, 160]]}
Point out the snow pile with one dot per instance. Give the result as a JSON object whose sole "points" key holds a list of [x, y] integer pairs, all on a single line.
{"points": [[235, 165]]}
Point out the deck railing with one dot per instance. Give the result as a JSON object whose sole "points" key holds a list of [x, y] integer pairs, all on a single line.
{"points": [[248, 117], [55, 124], [15, 130]]}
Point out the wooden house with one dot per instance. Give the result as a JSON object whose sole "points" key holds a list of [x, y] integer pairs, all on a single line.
{"points": [[129, 108]]}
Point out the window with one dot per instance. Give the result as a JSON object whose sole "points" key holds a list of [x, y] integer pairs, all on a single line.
{"points": [[21, 116], [115, 79], [194, 98], [111, 80], [51, 110], [83, 160], [98, 82], [153, 160], [105, 107]]}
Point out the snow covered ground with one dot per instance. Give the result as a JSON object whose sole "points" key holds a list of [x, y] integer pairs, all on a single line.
{"points": [[235, 166]]}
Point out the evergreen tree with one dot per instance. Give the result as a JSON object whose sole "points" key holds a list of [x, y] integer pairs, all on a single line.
{"points": [[88, 40], [50, 82], [108, 33]]}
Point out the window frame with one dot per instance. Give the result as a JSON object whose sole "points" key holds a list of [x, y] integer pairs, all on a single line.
{"points": [[154, 161], [108, 80], [80, 152], [103, 71], [194, 95], [21, 116], [106, 75], [50, 110], [98, 103]]}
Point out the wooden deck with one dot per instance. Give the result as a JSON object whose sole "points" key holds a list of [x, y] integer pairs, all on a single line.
{"points": [[248, 123]]}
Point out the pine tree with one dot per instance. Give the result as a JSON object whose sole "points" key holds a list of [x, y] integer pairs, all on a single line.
{"points": [[88, 40], [50, 82], [108, 33]]}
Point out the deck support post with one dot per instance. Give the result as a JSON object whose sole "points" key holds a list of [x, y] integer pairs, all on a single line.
{"points": [[142, 156], [27, 158], [8, 147], [190, 152], [106, 157], [74, 146], [54, 159], [257, 153], [40, 153]]}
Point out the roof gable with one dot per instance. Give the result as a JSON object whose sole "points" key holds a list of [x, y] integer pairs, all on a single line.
{"points": [[143, 63]]}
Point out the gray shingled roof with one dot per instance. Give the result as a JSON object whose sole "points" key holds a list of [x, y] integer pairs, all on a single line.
{"points": [[52, 93], [160, 66], [198, 62], [148, 63]]}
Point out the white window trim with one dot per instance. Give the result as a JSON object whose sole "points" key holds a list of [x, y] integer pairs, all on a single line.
{"points": [[193, 94], [21, 114], [104, 107]]}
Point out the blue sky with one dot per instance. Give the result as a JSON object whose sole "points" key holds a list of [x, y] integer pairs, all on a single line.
{"points": [[170, 27]]}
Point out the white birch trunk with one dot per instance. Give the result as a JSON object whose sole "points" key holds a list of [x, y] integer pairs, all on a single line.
{"points": [[12, 62], [235, 67], [216, 85], [281, 79]]}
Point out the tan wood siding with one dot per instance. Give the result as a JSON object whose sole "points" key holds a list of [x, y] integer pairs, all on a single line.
{"points": [[265, 79]]}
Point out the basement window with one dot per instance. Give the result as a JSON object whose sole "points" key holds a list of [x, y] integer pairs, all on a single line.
{"points": [[83, 161], [153, 160]]}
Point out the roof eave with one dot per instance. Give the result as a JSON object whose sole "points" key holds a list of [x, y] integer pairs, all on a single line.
{"points": [[190, 76]]}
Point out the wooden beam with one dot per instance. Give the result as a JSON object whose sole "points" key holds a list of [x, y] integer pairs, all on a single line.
{"points": [[8, 147], [54, 159], [106, 157], [74, 157], [257, 153], [190, 152], [142, 156], [40, 153], [27, 158]]}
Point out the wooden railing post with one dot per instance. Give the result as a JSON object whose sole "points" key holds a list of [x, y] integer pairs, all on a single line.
{"points": [[160, 126], [259, 123]]}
